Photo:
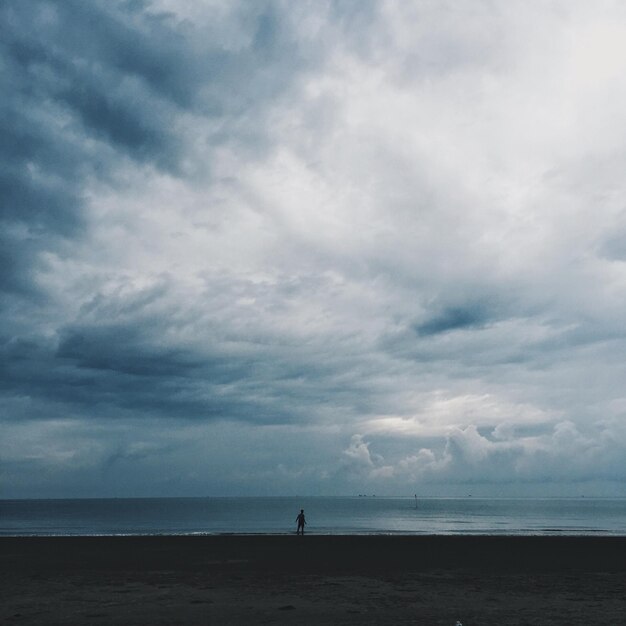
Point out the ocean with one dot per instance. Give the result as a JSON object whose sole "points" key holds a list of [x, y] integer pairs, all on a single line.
{"points": [[325, 515]]}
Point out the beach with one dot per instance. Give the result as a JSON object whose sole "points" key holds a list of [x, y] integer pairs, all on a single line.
{"points": [[313, 580]]}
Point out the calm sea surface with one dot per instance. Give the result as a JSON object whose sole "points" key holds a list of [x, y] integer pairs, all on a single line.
{"points": [[338, 515]]}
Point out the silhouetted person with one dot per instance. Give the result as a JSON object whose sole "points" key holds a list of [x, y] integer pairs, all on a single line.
{"points": [[301, 522]]}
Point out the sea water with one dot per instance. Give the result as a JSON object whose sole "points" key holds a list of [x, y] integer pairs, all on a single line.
{"points": [[325, 515]]}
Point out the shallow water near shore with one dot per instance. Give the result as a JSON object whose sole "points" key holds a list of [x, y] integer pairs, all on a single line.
{"points": [[325, 515]]}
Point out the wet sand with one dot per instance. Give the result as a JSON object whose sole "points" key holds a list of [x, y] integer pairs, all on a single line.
{"points": [[313, 580]]}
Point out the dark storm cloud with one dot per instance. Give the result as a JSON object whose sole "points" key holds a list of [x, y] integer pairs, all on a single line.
{"points": [[120, 349], [113, 369], [85, 84], [121, 363], [455, 318]]}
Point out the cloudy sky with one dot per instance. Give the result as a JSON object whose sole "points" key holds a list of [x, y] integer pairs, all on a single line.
{"points": [[312, 247]]}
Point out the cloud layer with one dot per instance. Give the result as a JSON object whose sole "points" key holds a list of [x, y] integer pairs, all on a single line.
{"points": [[329, 248]]}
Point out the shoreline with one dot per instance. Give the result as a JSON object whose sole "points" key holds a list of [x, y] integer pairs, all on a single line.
{"points": [[548, 533]]}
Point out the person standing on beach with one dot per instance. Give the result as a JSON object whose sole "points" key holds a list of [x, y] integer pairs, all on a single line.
{"points": [[301, 522]]}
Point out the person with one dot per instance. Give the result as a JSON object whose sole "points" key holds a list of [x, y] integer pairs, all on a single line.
{"points": [[301, 522]]}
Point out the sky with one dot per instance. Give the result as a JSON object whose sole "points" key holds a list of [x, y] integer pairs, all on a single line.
{"points": [[316, 248]]}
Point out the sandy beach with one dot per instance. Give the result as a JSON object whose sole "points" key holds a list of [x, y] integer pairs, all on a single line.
{"points": [[313, 580]]}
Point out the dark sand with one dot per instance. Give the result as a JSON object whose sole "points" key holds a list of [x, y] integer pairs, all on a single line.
{"points": [[314, 580]]}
